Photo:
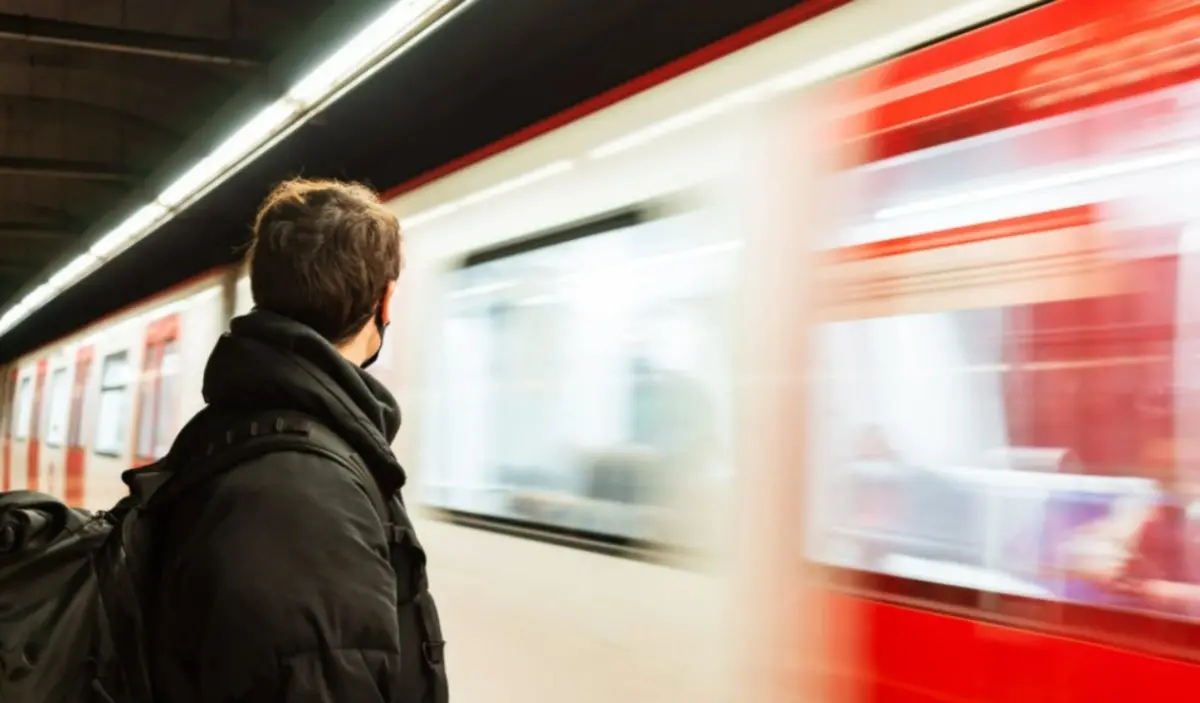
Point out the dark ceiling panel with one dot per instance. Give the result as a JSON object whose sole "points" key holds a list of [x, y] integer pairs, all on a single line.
{"points": [[77, 35]]}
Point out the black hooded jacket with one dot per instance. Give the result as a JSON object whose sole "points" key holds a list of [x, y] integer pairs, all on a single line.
{"points": [[285, 593]]}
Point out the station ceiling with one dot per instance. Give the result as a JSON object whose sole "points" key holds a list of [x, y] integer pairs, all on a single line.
{"points": [[99, 97]]}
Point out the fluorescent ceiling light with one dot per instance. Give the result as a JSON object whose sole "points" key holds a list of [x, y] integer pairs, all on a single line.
{"points": [[69, 273], [136, 225], [37, 297], [365, 48], [209, 170], [10, 318], [404, 22]]}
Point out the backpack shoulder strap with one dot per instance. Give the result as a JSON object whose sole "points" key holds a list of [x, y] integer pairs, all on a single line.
{"points": [[341, 452], [258, 434]]}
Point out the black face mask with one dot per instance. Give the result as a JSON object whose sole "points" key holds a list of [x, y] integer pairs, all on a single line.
{"points": [[382, 327]]}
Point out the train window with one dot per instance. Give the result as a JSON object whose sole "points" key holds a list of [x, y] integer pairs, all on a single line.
{"points": [[24, 407], [58, 408], [112, 418], [582, 381]]}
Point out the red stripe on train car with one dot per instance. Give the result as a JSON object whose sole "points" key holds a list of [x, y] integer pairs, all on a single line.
{"points": [[1066, 218]]}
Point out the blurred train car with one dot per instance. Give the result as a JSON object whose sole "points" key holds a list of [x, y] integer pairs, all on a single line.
{"points": [[707, 404], [109, 397]]}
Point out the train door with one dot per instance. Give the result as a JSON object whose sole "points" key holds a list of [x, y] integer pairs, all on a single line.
{"points": [[33, 444], [53, 428], [74, 483], [158, 392]]}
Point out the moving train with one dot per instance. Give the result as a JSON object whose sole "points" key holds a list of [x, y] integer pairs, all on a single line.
{"points": [[890, 311]]}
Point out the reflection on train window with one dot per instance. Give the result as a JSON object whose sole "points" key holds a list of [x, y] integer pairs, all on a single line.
{"points": [[113, 416], [146, 397], [164, 414], [58, 408], [24, 407], [585, 384], [1008, 398], [6, 407]]}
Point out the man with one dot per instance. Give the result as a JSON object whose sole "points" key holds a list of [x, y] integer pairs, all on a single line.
{"points": [[277, 576]]}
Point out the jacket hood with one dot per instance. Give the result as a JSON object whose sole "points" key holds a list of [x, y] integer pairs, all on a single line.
{"points": [[270, 362]]}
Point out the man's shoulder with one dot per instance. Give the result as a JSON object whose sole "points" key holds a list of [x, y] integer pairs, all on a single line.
{"points": [[268, 460], [257, 437], [287, 473], [277, 497]]}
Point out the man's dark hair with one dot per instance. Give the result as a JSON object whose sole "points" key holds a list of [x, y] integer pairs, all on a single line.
{"points": [[323, 254]]}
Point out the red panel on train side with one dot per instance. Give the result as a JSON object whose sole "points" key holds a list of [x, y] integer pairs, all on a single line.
{"points": [[76, 452], [1061, 58], [32, 468], [914, 655], [158, 334]]}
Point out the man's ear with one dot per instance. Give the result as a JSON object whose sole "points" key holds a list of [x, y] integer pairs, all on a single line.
{"points": [[385, 312]]}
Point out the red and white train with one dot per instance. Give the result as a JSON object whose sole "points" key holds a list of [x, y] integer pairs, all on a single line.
{"points": [[891, 311]]}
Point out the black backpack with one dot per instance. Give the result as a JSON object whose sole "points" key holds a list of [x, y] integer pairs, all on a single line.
{"points": [[72, 583]]}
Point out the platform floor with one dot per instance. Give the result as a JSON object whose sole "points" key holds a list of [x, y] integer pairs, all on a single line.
{"points": [[527, 622]]}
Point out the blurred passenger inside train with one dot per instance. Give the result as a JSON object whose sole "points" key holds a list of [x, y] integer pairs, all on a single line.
{"points": [[672, 415], [295, 575], [1146, 551]]}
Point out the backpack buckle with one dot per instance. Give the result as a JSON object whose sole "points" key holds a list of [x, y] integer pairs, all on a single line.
{"points": [[433, 652]]}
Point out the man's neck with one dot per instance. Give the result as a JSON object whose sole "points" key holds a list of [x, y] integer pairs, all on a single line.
{"points": [[354, 351]]}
